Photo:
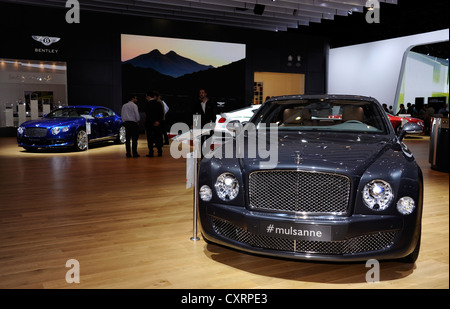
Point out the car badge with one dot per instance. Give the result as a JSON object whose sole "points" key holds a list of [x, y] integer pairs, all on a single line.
{"points": [[46, 40], [298, 159]]}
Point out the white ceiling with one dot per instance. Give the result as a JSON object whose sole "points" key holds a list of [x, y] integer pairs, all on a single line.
{"points": [[278, 15]]}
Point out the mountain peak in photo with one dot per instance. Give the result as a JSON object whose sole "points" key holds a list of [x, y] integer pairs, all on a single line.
{"points": [[170, 64]]}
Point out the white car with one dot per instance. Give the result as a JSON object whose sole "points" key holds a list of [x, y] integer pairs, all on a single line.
{"points": [[243, 115], [221, 133]]}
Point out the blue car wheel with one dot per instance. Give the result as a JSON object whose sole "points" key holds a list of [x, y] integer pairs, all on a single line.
{"points": [[122, 136], [81, 141]]}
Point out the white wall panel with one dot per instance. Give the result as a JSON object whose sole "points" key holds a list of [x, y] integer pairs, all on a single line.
{"points": [[374, 69]]}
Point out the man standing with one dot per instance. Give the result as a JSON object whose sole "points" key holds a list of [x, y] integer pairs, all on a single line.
{"points": [[131, 118], [402, 110], [154, 112], [205, 108]]}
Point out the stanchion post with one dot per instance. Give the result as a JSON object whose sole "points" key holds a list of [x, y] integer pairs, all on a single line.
{"points": [[88, 131], [196, 153]]}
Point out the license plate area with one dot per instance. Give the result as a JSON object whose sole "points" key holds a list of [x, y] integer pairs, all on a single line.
{"points": [[297, 231]]}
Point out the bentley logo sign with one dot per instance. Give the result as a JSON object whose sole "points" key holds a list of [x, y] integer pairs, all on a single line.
{"points": [[46, 40]]}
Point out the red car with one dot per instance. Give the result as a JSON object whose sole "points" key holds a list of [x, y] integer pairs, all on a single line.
{"points": [[397, 121]]}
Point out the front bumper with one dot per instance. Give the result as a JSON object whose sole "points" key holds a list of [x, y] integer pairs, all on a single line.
{"points": [[321, 238], [43, 142]]}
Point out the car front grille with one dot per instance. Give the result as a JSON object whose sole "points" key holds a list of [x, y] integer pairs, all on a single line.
{"points": [[360, 244], [35, 132], [299, 191]]}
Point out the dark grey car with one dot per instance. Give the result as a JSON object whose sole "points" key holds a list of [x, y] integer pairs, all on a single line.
{"points": [[315, 178]]}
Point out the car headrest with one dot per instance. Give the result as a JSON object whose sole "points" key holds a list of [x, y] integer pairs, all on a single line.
{"points": [[292, 116]]}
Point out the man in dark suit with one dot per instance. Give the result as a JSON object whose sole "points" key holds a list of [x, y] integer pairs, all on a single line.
{"points": [[154, 112], [205, 108]]}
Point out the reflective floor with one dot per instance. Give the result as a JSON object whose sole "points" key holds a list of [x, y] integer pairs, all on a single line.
{"points": [[129, 222]]}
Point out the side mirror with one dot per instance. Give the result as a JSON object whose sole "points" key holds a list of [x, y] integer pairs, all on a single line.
{"points": [[410, 128], [234, 126]]}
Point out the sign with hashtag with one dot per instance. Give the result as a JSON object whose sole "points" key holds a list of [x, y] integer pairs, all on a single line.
{"points": [[297, 231]]}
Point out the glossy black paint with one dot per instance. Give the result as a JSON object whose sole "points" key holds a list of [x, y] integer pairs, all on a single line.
{"points": [[360, 157]]}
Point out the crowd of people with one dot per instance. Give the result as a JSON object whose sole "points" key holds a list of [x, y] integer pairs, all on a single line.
{"points": [[155, 110]]}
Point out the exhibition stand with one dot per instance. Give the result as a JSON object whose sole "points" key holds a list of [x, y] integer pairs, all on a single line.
{"points": [[439, 144]]}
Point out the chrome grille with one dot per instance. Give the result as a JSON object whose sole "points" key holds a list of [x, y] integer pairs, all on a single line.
{"points": [[299, 191], [35, 132], [365, 243]]}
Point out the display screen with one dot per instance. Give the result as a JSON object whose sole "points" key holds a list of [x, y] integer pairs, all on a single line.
{"points": [[177, 57], [179, 68]]}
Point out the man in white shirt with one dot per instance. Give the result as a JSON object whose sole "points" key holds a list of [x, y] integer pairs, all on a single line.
{"points": [[130, 117]]}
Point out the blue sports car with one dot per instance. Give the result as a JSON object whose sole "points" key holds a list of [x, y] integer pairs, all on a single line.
{"points": [[72, 126]]}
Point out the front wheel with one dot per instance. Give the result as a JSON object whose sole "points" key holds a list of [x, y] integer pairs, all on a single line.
{"points": [[81, 141], [121, 136]]}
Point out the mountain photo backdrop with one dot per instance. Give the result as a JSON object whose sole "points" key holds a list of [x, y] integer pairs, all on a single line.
{"points": [[179, 68], [170, 64]]}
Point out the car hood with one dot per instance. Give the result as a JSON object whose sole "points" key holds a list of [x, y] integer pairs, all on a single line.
{"points": [[51, 122], [342, 153]]}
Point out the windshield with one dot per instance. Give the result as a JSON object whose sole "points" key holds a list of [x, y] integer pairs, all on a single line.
{"points": [[323, 115], [69, 112]]}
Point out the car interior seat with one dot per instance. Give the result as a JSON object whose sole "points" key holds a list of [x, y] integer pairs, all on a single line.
{"points": [[352, 113], [297, 117]]}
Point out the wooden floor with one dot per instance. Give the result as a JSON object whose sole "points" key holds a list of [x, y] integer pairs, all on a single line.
{"points": [[128, 222]]}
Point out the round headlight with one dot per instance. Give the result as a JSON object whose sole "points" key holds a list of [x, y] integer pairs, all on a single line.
{"points": [[56, 130], [205, 193], [227, 187], [406, 205], [377, 195]]}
